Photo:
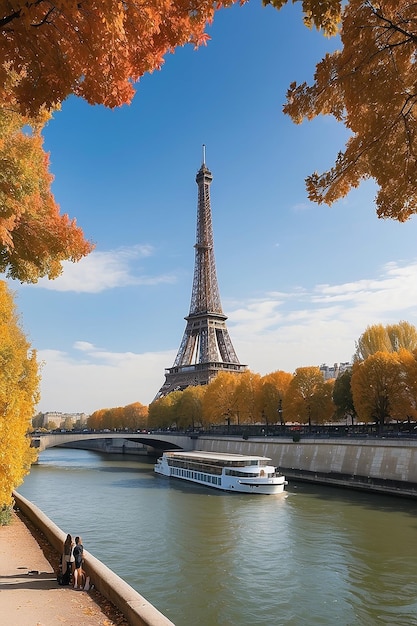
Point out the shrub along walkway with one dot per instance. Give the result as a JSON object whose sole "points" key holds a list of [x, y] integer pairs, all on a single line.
{"points": [[29, 593]]}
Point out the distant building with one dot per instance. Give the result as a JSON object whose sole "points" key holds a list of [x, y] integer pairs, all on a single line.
{"points": [[63, 420], [334, 371]]}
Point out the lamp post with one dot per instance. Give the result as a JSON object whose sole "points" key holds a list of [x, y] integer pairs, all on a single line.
{"points": [[265, 418], [280, 414]]}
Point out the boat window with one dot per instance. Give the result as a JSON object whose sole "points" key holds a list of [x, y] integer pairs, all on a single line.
{"points": [[231, 472], [196, 465]]}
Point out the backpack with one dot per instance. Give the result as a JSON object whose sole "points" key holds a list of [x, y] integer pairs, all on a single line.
{"points": [[64, 579]]}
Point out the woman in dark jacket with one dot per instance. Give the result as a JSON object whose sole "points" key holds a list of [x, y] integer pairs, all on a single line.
{"points": [[78, 556]]}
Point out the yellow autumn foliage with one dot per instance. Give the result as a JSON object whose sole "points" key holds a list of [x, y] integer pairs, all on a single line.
{"points": [[379, 387], [19, 384], [219, 398], [35, 238], [309, 397], [272, 392], [390, 338]]}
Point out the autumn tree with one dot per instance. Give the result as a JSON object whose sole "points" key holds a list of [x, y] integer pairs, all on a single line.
{"points": [[374, 339], [272, 392], [156, 414], [34, 237], [408, 362], [309, 397], [19, 384], [131, 416], [95, 420], [342, 396], [190, 407], [245, 407], [219, 398], [163, 412], [379, 388], [135, 416], [369, 85], [113, 418], [390, 338], [325, 406], [402, 335], [99, 50], [95, 50]]}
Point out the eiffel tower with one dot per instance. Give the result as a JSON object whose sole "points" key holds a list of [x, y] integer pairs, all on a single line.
{"points": [[206, 348]]}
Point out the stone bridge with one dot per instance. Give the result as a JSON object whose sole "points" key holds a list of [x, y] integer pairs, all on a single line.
{"points": [[157, 441]]}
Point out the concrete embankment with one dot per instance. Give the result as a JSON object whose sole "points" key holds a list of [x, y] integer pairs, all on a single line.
{"points": [[385, 466], [137, 610]]}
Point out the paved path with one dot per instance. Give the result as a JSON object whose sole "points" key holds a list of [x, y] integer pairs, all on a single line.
{"points": [[29, 593]]}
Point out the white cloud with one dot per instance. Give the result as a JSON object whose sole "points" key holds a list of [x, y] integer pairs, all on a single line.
{"points": [[301, 207], [396, 288], [313, 327], [100, 271], [99, 379], [84, 346], [280, 331]]}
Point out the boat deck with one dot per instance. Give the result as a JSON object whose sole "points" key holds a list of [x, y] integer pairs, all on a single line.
{"points": [[218, 456]]}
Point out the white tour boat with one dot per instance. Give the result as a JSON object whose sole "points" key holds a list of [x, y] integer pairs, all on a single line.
{"points": [[229, 472]]}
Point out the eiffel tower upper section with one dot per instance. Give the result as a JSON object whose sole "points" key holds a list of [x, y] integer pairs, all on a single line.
{"points": [[206, 347]]}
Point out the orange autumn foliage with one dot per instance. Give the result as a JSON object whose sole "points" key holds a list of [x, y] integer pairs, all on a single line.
{"points": [[34, 237], [98, 49], [95, 49], [370, 86]]}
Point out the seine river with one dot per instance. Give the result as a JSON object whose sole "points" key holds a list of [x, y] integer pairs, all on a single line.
{"points": [[315, 556]]}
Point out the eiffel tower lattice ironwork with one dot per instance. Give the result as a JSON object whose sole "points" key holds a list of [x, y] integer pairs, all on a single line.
{"points": [[206, 347]]}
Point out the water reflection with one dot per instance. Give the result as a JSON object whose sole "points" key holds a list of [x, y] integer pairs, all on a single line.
{"points": [[317, 556]]}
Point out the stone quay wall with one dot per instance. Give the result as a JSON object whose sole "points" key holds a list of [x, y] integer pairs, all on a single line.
{"points": [[137, 610], [385, 466]]}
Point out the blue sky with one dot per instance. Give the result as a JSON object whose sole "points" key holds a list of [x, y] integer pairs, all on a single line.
{"points": [[299, 282]]}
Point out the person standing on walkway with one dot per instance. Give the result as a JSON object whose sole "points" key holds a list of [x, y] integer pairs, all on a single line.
{"points": [[78, 556], [68, 559]]}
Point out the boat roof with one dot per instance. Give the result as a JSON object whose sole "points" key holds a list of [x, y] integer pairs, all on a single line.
{"points": [[219, 456]]}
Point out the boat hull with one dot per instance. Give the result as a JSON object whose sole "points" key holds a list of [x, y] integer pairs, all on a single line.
{"points": [[255, 488]]}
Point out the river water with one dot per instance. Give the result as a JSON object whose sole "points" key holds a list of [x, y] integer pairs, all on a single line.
{"points": [[314, 556]]}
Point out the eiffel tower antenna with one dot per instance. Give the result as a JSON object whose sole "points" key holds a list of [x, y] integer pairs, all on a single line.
{"points": [[206, 348]]}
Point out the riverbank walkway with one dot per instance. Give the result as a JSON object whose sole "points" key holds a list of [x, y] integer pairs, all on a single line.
{"points": [[29, 592]]}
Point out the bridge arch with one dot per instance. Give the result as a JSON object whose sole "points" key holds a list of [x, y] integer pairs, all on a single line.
{"points": [[156, 441]]}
